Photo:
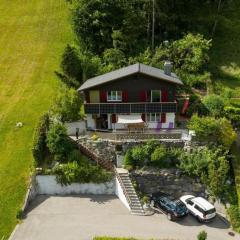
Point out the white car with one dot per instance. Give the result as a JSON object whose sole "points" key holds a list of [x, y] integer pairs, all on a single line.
{"points": [[199, 207]]}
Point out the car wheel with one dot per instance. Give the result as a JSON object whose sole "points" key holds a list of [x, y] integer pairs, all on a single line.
{"points": [[199, 219], [169, 217]]}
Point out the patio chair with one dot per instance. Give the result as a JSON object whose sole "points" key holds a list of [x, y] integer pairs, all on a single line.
{"points": [[170, 125], [159, 127]]}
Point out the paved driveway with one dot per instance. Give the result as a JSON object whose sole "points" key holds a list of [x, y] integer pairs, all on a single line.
{"points": [[82, 217]]}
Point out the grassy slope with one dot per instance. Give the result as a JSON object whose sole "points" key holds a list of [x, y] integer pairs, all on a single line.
{"points": [[33, 34], [225, 56], [226, 62]]}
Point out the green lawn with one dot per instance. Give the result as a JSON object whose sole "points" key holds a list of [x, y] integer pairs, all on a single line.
{"points": [[33, 34], [225, 55]]}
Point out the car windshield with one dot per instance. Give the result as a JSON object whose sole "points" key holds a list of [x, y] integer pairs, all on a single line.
{"points": [[213, 210], [180, 207], [176, 206]]}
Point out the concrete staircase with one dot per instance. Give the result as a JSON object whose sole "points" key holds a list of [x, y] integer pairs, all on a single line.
{"points": [[130, 193]]}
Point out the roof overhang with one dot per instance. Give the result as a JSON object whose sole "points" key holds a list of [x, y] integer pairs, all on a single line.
{"points": [[127, 71]]}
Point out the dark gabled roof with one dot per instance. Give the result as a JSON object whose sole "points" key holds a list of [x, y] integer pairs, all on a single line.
{"points": [[126, 71]]}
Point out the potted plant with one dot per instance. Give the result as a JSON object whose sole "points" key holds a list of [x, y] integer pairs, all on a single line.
{"points": [[146, 203]]}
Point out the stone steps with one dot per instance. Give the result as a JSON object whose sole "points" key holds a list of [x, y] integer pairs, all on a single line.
{"points": [[135, 204]]}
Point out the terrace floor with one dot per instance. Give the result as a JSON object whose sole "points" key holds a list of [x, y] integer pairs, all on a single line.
{"points": [[164, 134]]}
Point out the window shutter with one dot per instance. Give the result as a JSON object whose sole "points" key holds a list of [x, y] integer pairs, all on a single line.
{"points": [[143, 96], [103, 96], [87, 97], [114, 118], [125, 96], [144, 117], [163, 117], [164, 96]]}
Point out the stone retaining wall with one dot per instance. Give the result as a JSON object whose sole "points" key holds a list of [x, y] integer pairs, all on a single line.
{"points": [[106, 149], [170, 181]]}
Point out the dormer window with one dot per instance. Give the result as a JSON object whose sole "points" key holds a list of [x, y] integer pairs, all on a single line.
{"points": [[114, 96]]}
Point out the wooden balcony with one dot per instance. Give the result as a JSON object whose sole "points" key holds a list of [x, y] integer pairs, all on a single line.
{"points": [[140, 107]]}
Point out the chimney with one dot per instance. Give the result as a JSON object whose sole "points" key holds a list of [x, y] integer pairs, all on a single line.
{"points": [[167, 68]]}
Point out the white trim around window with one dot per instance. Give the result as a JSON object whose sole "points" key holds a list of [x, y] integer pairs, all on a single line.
{"points": [[157, 96], [114, 96], [153, 117]]}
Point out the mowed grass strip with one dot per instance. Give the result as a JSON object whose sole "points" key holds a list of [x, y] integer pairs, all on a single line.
{"points": [[33, 34]]}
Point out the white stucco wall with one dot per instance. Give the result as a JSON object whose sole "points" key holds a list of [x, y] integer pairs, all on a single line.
{"points": [[48, 185], [170, 117], [90, 122], [120, 194], [72, 126]]}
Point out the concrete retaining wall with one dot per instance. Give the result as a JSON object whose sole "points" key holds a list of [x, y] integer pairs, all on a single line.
{"points": [[120, 194], [72, 127], [48, 185]]}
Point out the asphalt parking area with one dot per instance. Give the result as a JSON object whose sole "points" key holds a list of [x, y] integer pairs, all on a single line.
{"points": [[83, 217]]}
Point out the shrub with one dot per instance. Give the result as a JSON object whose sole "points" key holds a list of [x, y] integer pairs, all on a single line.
{"points": [[211, 165], [214, 104], [232, 113], [40, 149], [67, 106], [159, 157], [82, 173], [20, 214], [202, 235], [150, 146], [218, 169], [139, 156], [209, 129], [195, 163], [95, 137], [74, 156], [128, 159], [234, 214], [196, 106], [58, 142]]}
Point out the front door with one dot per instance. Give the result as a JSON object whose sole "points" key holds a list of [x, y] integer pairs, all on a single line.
{"points": [[102, 122]]}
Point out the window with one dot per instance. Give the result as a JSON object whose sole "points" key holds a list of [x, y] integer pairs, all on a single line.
{"points": [[156, 96], [153, 117], [189, 202], [114, 96], [199, 209]]}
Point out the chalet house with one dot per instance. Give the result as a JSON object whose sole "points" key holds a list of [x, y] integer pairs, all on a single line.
{"points": [[133, 95]]}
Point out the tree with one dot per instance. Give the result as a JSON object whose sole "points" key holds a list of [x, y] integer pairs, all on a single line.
{"points": [[58, 142], [216, 131], [188, 54], [214, 104], [113, 58], [94, 22], [71, 67], [67, 105], [40, 149]]}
